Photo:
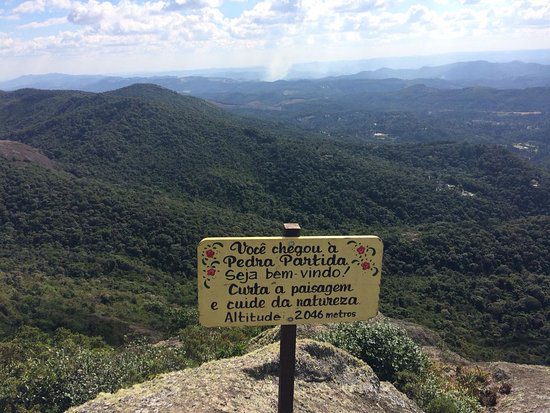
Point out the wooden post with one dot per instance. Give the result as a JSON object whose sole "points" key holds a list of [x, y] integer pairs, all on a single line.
{"points": [[287, 355]]}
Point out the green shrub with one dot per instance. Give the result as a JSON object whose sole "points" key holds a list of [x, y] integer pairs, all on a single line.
{"points": [[384, 347], [442, 404], [182, 317], [434, 393], [42, 372]]}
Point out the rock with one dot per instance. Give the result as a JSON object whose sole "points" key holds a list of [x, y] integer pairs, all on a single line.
{"points": [[526, 388], [273, 335], [421, 335], [442, 355], [20, 153], [327, 380]]}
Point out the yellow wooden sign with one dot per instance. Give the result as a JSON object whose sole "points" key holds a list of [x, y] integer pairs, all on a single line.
{"points": [[288, 280]]}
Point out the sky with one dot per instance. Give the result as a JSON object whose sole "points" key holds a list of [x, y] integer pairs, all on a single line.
{"points": [[136, 36]]}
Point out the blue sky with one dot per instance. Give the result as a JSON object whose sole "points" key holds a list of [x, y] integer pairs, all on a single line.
{"points": [[125, 36]]}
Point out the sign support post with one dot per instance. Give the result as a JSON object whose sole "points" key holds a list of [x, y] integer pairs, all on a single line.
{"points": [[287, 352]]}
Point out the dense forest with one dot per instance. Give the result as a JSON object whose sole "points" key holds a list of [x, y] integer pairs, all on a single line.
{"points": [[104, 243], [143, 174]]}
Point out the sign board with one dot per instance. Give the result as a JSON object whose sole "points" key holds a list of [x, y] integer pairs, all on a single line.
{"points": [[288, 280]]}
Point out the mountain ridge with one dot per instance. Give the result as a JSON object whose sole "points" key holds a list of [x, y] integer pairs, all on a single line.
{"points": [[509, 75]]}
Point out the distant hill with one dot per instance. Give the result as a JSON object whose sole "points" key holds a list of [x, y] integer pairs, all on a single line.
{"points": [[478, 73], [375, 110], [347, 67], [509, 75], [146, 135], [467, 87], [105, 243]]}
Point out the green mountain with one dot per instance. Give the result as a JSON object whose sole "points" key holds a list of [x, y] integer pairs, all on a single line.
{"points": [[104, 243], [499, 103]]}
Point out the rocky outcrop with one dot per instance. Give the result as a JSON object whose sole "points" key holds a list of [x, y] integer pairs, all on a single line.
{"points": [[526, 390], [327, 380], [510, 387], [20, 153]]}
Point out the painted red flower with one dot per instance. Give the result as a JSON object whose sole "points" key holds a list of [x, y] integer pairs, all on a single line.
{"points": [[361, 250], [210, 253], [365, 265], [211, 271]]}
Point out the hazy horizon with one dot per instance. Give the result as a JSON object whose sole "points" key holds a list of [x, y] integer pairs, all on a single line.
{"points": [[315, 69]]}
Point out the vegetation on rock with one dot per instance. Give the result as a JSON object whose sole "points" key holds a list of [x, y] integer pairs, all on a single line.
{"points": [[395, 357]]}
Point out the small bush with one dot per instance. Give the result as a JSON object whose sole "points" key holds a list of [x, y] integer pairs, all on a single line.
{"points": [[434, 393], [442, 403], [384, 347]]}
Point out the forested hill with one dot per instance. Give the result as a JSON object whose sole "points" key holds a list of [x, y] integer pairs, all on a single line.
{"points": [[147, 136], [105, 242]]}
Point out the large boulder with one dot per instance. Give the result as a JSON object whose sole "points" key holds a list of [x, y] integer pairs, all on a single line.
{"points": [[328, 380]]}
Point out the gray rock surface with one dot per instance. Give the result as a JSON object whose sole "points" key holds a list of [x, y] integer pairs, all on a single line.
{"points": [[328, 380], [529, 387]]}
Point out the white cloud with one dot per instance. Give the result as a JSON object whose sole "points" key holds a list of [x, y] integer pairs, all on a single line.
{"points": [[54, 21], [272, 12], [175, 5], [357, 5], [418, 14], [31, 6], [124, 18], [6, 42], [39, 6], [60, 4], [536, 13]]}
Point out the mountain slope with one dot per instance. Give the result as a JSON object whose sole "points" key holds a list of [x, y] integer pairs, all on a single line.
{"points": [[154, 137]]}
